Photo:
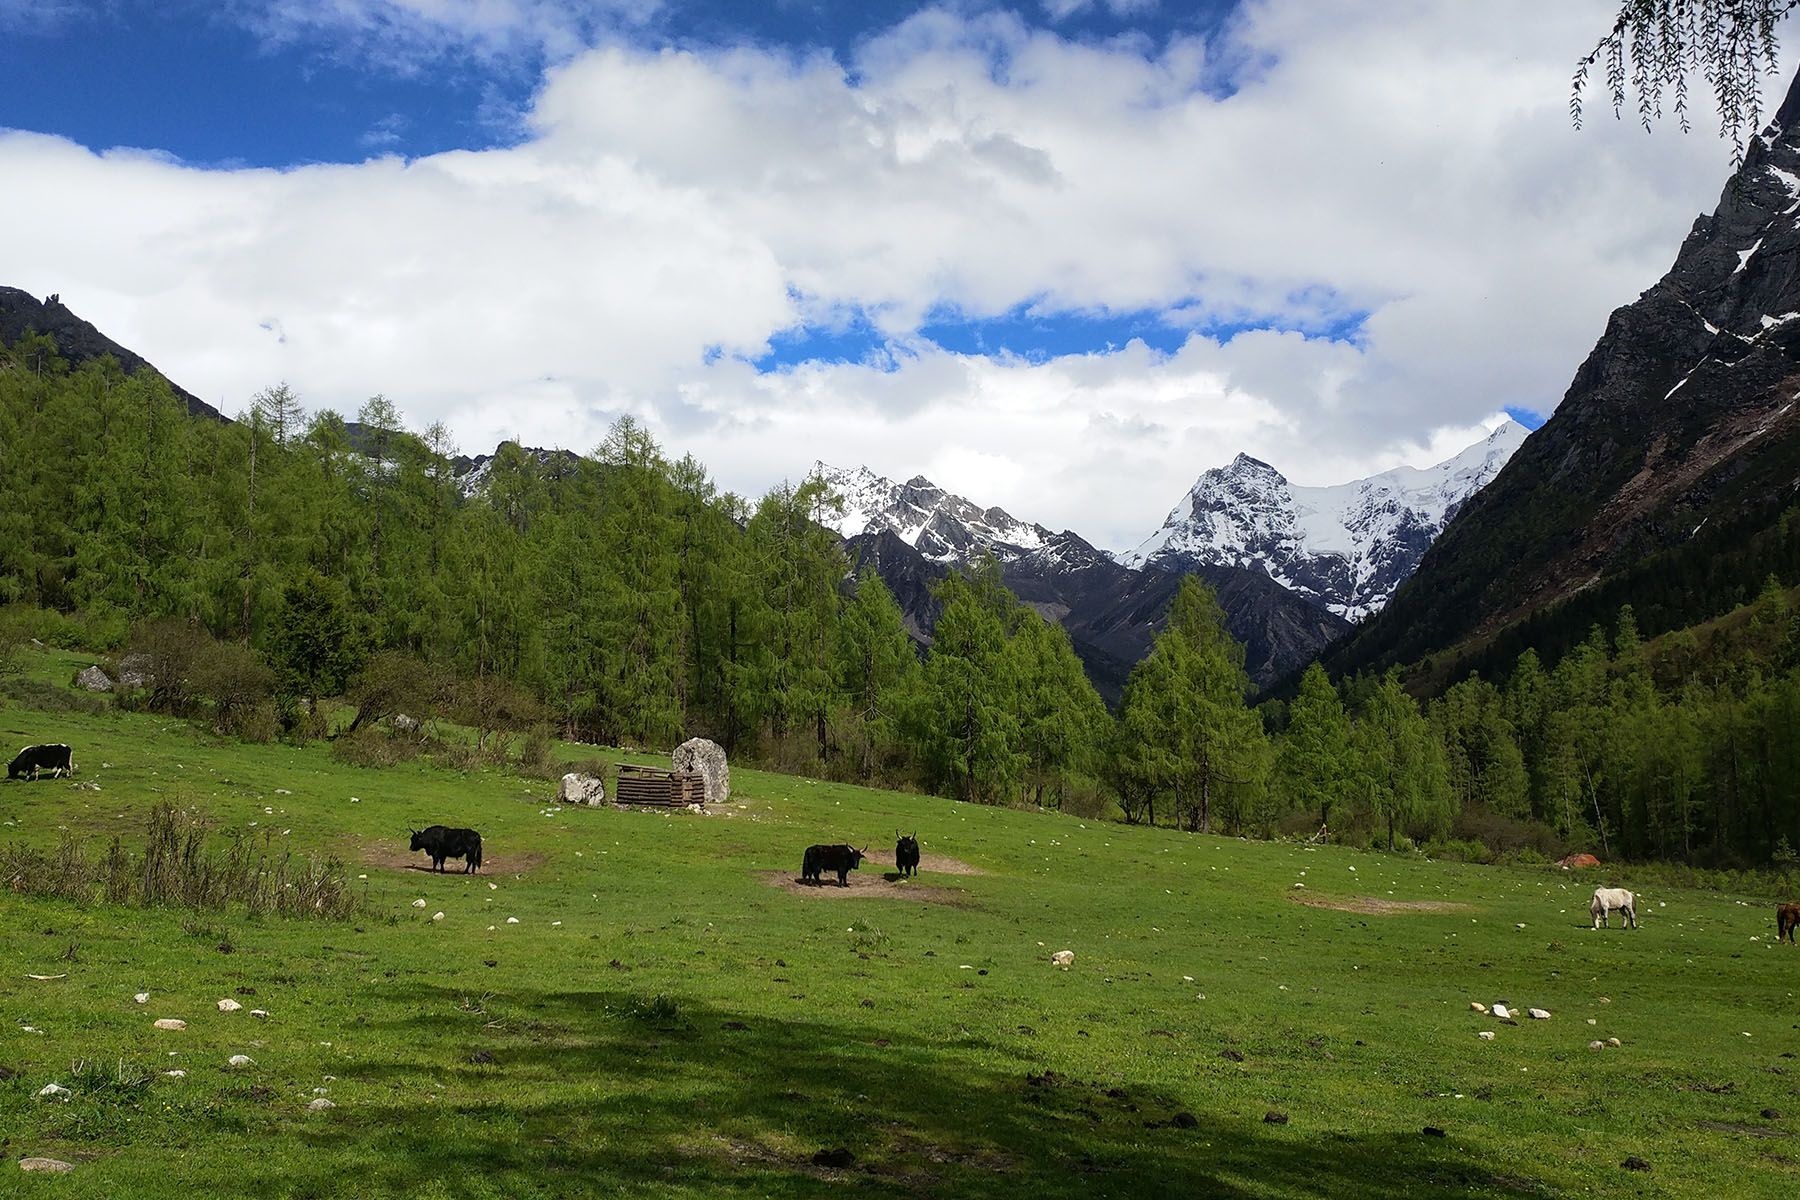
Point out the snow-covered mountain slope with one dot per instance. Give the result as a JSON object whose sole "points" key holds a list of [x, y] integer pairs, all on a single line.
{"points": [[1347, 547], [941, 526]]}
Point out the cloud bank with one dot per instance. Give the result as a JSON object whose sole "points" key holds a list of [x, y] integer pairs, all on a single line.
{"points": [[1369, 229]]}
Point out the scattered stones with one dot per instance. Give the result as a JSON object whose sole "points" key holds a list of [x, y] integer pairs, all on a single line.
{"points": [[142, 997], [240, 1060], [229, 1005], [94, 680], [54, 1091], [1275, 1118], [419, 903], [512, 920], [1477, 1006], [176, 1073], [1537, 1014], [319, 1105], [1613, 1041], [1063, 958], [169, 1023], [261, 1014], [1501, 1011], [1634, 1163], [1596, 1045], [437, 916], [46, 1166], [1486, 1035]]}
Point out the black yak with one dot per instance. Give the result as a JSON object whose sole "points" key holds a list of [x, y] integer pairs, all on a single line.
{"points": [[442, 843], [52, 758], [840, 858], [906, 854]]}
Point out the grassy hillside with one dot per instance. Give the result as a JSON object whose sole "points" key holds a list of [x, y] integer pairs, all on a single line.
{"points": [[670, 1016]]}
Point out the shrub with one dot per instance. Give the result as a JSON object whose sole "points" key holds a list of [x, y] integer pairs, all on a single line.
{"points": [[535, 754]]}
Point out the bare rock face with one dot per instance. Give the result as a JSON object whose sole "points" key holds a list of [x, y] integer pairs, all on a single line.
{"points": [[581, 789], [708, 759], [94, 680]]}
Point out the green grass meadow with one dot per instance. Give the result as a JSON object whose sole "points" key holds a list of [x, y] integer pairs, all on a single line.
{"points": [[666, 1018]]}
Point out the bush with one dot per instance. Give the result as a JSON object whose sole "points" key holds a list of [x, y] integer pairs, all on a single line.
{"points": [[536, 757], [1459, 850]]}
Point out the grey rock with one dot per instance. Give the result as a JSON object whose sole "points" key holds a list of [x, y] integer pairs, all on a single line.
{"points": [[708, 759], [94, 680], [580, 789]]}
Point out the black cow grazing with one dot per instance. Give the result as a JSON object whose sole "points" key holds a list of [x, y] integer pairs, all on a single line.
{"points": [[840, 858], [442, 843], [906, 854], [28, 762]]}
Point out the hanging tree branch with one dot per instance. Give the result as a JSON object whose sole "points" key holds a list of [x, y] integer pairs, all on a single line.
{"points": [[1654, 46]]}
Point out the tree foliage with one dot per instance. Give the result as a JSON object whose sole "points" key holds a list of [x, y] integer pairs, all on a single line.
{"points": [[1655, 45]]}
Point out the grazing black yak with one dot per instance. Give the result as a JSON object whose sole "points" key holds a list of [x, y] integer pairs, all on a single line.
{"points": [[906, 854], [442, 843], [840, 858], [1787, 918], [54, 758]]}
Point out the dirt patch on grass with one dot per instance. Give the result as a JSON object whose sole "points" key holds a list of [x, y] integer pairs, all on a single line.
{"points": [[929, 864], [391, 858], [1376, 907], [868, 887]]}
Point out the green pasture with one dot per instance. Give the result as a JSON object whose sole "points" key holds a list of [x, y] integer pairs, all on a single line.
{"points": [[666, 1018]]}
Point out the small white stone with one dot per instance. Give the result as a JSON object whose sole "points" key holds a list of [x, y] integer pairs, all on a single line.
{"points": [[437, 916], [1486, 1035], [1596, 1045], [1478, 1006], [142, 997], [169, 1023], [1537, 1014], [319, 1105], [1501, 1011], [1063, 958], [176, 1073], [419, 903], [493, 887], [512, 920], [261, 1014], [55, 1091], [229, 1005], [1613, 1041], [240, 1060]]}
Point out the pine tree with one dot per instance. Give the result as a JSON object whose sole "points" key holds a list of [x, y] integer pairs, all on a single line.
{"points": [[1186, 729]]}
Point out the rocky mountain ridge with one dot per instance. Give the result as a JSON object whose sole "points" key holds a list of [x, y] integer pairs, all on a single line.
{"points": [[1666, 476]]}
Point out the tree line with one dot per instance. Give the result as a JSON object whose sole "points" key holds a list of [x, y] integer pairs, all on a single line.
{"points": [[261, 566]]}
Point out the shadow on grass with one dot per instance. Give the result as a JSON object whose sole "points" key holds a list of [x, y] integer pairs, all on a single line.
{"points": [[613, 1092]]}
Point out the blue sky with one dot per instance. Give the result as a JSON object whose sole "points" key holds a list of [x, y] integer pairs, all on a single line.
{"points": [[1057, 255]]}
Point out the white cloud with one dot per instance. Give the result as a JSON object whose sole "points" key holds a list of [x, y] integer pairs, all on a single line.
{"points": [[668, 212]]}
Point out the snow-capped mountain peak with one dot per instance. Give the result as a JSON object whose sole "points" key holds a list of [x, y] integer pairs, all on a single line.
{"points": [[942, 526], [1347, 546]]}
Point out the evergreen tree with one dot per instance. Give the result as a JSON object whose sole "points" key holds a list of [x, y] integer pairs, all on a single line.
{"points": [[1316, 757], [1186, 729]]}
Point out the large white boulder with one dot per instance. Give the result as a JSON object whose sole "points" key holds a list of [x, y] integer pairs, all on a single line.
{"points": [[581, 789], [708, 759]]}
